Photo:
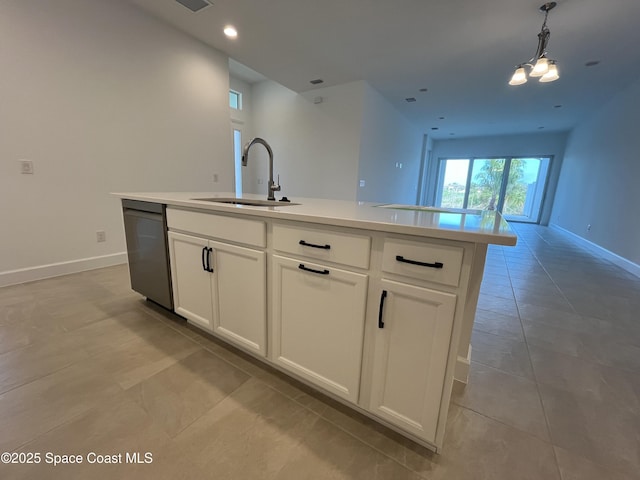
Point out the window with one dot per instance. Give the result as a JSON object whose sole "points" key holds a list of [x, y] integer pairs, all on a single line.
{"points": [[235, 100]]}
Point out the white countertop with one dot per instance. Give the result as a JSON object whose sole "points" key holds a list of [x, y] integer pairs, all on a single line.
{"points": [[478, 227]]}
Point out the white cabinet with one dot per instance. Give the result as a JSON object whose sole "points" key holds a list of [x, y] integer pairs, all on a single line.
{"points": [[223, 227], [411, 345], [191, 281], [322, 244], [239, 295], [326, 284], [318, 323], [221, 288], [423, 261]]}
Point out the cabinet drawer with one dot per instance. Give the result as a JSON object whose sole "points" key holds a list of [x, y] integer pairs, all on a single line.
{"points": [[337, 247], [240, 230], [424, 261]]}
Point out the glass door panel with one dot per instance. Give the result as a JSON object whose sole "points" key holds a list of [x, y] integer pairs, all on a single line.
{"points": [[486, 184], [525, 189], [237, 159], [452, 185]]}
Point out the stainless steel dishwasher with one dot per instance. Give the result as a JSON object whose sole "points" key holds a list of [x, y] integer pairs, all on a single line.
{"points": [[145, 227]]}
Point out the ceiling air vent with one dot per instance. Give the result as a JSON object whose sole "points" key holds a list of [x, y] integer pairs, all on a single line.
{"points": [[194, 5]]}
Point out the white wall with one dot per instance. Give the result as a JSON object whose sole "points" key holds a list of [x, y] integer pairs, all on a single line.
{"points": [[316, 146], [600, 180], [390, 153], [524, 145], [102, 98], [323, 149]]}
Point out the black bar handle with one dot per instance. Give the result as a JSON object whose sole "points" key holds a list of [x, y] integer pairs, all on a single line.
{"points": [[307, 269], [209, 267], [400, 258], [382, 298], [305, 244], [205, 251]]}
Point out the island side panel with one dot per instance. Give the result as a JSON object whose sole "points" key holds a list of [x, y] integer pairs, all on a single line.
{"points": [[463, 361]]}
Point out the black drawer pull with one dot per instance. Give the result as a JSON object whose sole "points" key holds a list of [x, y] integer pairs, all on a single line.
{"points": [[305, 244], [382, 298], [400, 258], [209, 267], [307, 269], [205, 254], [206, 259]]}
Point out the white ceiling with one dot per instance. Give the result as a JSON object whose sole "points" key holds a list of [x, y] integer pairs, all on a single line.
{"points": [[463, 51]]}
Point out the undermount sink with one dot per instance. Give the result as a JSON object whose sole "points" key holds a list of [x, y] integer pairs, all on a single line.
{"points": [[246, 201], [421, 208]]}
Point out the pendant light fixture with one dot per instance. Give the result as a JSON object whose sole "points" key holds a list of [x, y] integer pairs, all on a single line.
{"points": [[540, 66]]}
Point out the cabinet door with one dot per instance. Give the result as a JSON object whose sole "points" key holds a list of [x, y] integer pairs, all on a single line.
{"points": [[191, 282], [318, 324], [410, 359], [239, 295]]}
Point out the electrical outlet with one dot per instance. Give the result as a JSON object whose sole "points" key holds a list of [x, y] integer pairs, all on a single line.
{"points": [[589, 228], [26, 167], [215, 178], [101, 236], [259, 181], [362, 182]]}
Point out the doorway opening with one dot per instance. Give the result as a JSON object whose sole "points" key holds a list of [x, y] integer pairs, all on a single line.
{"points": [[237, 159]]}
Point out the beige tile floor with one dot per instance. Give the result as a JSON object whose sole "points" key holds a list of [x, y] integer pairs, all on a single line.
{"points": [[86, 365]]}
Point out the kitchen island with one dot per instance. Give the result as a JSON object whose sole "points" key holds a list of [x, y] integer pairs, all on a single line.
{"points": [[371, 304]]}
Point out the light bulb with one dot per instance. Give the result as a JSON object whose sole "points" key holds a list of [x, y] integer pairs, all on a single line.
{"points": [[540, 68], [551, 75], [519, 77], [230, 31]]}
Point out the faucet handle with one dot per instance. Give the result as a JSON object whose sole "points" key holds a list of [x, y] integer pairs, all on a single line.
{"points": [[276, 186]]}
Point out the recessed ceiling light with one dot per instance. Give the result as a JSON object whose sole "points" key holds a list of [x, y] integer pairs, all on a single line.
{"points": [[317, 81], [540, 128], [592, 63], [410, 99], [230, 31], [434, 128], [423, 90], [452, 134], [440, 118], [557, 106]]}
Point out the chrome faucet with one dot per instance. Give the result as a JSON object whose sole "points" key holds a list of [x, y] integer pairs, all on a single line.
{"points": [[273, 186]]}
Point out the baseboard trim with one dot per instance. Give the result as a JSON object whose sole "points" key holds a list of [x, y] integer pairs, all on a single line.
{"points": [[621, 262], [23, 275]]}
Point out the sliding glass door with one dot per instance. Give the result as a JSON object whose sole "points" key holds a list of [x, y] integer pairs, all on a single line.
{"points": [[525, 189], [513, 186]]}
